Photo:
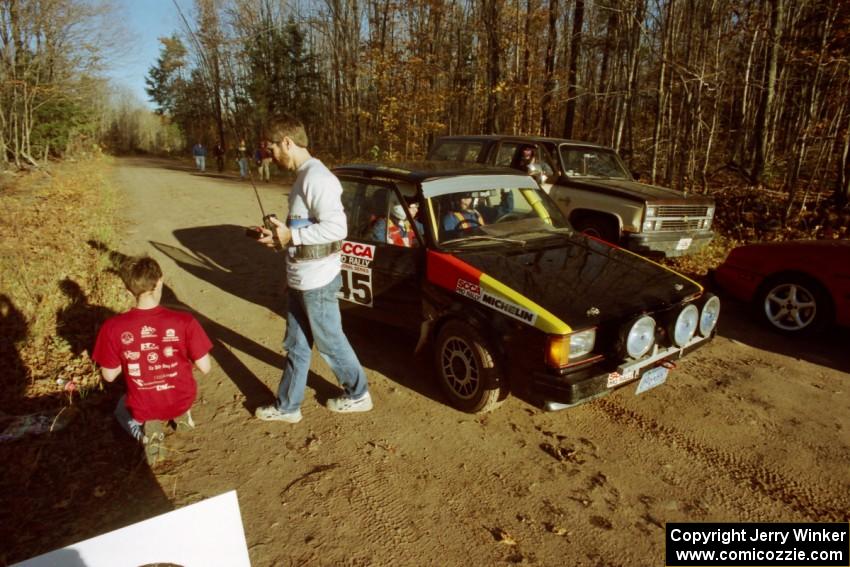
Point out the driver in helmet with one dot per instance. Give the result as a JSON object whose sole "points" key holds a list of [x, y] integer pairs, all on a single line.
{"points": [[397, 229], [463, 216]]}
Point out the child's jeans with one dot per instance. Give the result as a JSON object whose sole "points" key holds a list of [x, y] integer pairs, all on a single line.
{"points": [[130, 425]]}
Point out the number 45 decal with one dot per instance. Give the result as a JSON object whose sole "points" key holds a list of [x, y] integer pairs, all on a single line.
{"points": [[356, 287]]}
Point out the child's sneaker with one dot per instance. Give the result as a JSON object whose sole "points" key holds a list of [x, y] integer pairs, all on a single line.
{"points": [[346, 404], [154, 441], [271, 413], [183, 422]]}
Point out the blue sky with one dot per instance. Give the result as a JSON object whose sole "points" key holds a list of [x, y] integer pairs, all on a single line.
{"points": [[146, 21]]}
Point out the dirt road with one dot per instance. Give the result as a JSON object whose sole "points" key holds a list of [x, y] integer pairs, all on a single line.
{"points": [[751, 428]]}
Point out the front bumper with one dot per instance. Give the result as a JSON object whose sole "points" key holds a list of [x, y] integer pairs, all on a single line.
{"points": [[670, 244], [561, 392]]}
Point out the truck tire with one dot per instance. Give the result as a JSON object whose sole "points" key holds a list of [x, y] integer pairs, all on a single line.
{"points": [[599, 226]]}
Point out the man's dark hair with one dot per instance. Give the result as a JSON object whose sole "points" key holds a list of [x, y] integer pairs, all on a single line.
{"points": [[140, 274]]}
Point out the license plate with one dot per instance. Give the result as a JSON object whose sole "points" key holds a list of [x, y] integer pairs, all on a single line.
{"points": [[651, 379], [684, 243]]}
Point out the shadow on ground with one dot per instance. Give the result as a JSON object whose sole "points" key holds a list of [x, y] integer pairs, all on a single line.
{"points": [[69, 472], [738, 322]]}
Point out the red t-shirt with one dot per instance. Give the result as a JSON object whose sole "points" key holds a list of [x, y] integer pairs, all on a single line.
{"points": [[155, 349]]}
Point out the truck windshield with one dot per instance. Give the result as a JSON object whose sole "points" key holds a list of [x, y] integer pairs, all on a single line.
{"points": [[592, 162]]}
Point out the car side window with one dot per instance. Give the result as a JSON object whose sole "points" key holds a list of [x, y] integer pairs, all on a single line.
{"points": [[506, 153], [457, 151]]}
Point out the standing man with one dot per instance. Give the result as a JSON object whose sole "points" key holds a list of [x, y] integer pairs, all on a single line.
{"points": [[311, 239], [263, 156], [200, 153], [242, 159]]}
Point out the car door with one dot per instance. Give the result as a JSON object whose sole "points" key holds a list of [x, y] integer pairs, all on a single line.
{"points": [[380, 280]]}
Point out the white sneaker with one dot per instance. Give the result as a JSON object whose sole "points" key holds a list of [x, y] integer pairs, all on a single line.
{"points": [[271, 413], [345, 404]]}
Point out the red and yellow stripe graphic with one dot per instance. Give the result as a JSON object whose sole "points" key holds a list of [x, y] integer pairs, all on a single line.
{"points": [[453, 274]]}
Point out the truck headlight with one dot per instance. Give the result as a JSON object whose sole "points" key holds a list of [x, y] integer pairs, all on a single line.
{"points": [[710, 314], [640, 337], [563, 348], [685, 325], [650, 212]]}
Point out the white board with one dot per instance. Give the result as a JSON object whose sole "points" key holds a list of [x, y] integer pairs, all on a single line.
{"points": [[206, 533]]}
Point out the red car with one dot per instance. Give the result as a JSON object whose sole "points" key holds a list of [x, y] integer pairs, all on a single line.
{"points": [[796, 286]]}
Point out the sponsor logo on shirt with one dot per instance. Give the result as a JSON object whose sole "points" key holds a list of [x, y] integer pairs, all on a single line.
{"points": [[127, 337], [150, 346], [134, 370], [168, 351], [139, 383], [162, 387], [170, 336], [130, 355], [148, 331], [152, 357]]}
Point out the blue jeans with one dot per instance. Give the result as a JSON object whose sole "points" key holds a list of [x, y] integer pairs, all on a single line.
{"points": [[200, 162], [130, 425], [243, 167], [313, 315]]}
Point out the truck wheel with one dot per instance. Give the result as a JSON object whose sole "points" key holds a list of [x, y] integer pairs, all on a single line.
{"points": [[599, 227], [794, 304], [468, 370]]}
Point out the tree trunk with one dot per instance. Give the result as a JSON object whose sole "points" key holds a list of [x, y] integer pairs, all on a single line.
{"points": [[572, 69], [761, 133], [549, 71]]}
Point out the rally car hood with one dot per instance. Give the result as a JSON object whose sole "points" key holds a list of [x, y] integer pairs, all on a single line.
{"points": [[583, 281], [632, 189]]}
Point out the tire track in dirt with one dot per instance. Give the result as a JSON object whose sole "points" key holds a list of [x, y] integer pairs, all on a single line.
{"points": [[803, 498], [385, 517]]}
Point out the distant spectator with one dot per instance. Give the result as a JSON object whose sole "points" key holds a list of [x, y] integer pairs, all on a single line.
{"points": [[242, 159], [263, 157], [200, 153], [219, 156]]}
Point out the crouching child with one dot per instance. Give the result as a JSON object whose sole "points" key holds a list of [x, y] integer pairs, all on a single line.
{"points": [[155, 348]]}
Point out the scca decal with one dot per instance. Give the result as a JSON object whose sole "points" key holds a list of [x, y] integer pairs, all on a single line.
{"points": [[358, 250], [468, 289], [473, 291]]}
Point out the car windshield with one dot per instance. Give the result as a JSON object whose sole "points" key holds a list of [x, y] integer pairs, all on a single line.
{"points": [[488, 216], [592, 162]]}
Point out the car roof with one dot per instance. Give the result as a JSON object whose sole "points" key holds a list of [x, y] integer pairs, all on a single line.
{"points": [[521, 138], [417, 172]]}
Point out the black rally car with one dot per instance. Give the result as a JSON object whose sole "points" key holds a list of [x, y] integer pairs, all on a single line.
{"points": [[489, 271]]}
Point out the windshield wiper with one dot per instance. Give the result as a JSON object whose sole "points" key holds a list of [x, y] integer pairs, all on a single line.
{"points": [[483, 237]]}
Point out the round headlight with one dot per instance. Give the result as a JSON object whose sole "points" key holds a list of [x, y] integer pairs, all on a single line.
{"points": [[709, 315], [641, 337], [686, 325]]}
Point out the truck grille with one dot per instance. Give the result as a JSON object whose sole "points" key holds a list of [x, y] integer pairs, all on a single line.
{"points": [[680, 224], [681, 211], [678, 218]]}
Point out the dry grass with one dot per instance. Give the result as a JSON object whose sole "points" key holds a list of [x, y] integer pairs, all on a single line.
{"points": [[55, 287]]}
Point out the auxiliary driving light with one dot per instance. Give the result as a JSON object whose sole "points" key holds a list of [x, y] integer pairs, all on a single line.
{"points": [[708, 317], [641, 337], [686, 325]]}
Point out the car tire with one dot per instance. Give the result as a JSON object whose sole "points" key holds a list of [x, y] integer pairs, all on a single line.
{"points": [[600, 227], [468, 369], [793, 304]]}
